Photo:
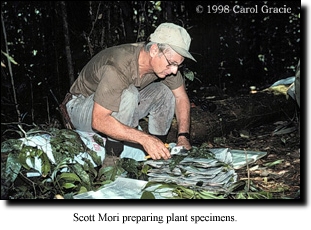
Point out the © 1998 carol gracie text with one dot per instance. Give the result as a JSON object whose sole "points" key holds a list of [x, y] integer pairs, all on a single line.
{"points": [[239, 9]]}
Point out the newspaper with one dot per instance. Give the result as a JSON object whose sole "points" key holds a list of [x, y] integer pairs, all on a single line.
{"points": [[122, 188], [241, 158], [126, 188]]}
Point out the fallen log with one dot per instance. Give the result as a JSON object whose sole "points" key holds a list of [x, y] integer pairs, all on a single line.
{"points": [[235, 114]]}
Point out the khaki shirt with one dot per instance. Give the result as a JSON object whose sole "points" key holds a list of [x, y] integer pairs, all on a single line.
{"points": [[111, 71]]}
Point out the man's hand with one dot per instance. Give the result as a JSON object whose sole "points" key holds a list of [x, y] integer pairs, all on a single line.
{"points": [[183, 141], [156, 148]]}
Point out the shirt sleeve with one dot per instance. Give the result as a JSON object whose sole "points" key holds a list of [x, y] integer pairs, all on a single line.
{"points": [[174, 81], [110, 88]]}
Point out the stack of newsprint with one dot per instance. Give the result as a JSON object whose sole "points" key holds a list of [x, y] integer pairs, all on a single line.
{"points": [[215, 174]]}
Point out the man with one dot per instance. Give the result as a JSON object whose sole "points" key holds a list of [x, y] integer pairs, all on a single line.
{"points": [[123, 84]]}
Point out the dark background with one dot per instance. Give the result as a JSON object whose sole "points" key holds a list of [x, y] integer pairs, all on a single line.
{"points": [[233, 50]]}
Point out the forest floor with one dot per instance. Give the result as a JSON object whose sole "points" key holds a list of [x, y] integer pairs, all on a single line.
{"points": [[278, 172]]}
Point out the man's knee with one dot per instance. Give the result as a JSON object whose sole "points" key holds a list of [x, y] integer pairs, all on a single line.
{"points": [[128, 109], [129, 99], [168, 95]]}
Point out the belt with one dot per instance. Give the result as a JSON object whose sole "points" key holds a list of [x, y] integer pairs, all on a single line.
{"points": [[63, 110]]}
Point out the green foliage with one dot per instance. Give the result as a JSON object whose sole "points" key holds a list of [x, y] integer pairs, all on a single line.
{"points": [[33, 153], [13, 166], [65, 176], [67, 143], [111, 172], [201, 152], [135, 169]]}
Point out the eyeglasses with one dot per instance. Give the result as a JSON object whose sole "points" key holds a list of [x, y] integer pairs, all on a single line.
{"points": [[170, 64]]}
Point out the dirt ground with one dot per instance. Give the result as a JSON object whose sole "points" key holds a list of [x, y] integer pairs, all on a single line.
{"points": [[279, 171]]}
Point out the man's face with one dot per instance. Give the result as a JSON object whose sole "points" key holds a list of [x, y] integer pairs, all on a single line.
{"points": [[166, 62]]}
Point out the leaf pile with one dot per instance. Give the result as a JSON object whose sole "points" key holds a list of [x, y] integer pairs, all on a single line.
{"points": [[75, 168]]}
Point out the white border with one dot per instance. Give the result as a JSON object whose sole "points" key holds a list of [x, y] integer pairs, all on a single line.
{"points": [[248, 217]]}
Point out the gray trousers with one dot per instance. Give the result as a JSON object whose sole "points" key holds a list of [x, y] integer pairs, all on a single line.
{"points": [[155, 101]]}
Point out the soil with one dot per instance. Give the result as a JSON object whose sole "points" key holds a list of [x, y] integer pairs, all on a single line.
{"points": [[284, 177], [281, 179]]}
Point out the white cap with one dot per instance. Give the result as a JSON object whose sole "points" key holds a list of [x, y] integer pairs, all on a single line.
{"points": [[175, 36]]}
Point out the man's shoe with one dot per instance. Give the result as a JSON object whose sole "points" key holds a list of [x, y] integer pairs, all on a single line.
{"points": [[113, 151], [114, 148]]}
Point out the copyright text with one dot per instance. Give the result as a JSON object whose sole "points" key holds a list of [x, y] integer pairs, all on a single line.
{"points": [[238, 9]]}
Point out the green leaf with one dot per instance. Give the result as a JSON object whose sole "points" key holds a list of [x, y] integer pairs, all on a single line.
{"points": [[158, 3], [88, 167], [82, 190], [45, 166], [68, 185], [12, 168], [113, 172], [11, 145], [269, 164], [69, 177], [10, 58], [131, 166], [147, 195], [85, 177], [210, 195], [23, 155], [189, 74], [240, 195], [145, 169]]}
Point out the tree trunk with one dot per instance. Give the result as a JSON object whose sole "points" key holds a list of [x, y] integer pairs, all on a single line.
{"points": [[67, 43]]}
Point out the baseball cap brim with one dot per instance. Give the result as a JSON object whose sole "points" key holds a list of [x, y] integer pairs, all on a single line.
{"points": [[182, 52]]}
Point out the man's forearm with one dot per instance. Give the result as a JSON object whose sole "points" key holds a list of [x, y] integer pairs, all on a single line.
{"points": [[183, 115], [116, 130]]}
